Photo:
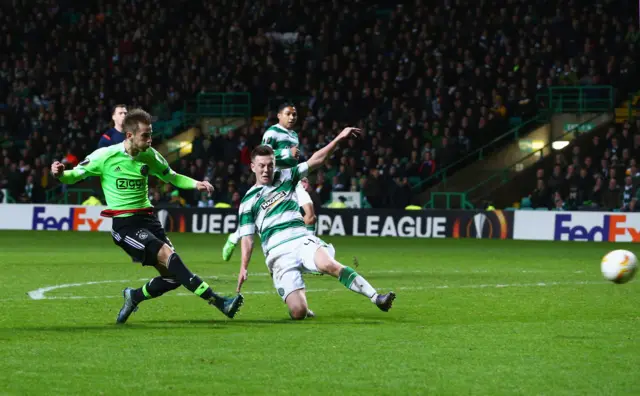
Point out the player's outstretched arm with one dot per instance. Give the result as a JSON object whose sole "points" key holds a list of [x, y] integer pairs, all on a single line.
{"points": [[318, 158], [90, 166], [161, 169], [246, 230], [186, 183], [246, 244]]}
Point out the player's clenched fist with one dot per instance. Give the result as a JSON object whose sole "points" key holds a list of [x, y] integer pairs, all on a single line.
{"points": [[295, 152], [57, 168]]}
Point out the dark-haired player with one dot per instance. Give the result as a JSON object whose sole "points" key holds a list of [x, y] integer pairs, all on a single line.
{"points": [[269, 208], [284, 141], [124, 170], [114, 135]]}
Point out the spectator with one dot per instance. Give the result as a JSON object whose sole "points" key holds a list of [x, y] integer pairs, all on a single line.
{"points": [[446, 76], [540, 197], [428, 166], [33, 193], [205, 201]]}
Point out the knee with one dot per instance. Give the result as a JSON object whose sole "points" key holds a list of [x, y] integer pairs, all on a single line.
{"points": [[164, 254], [298, 312], [298, 308]]}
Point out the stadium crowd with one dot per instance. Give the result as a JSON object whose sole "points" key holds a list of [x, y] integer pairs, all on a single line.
{"points": [[426, 82], [602, 174]]}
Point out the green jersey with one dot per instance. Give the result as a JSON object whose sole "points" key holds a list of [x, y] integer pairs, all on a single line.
{"points": [[281, 140], [272, 211], [124, 178]]}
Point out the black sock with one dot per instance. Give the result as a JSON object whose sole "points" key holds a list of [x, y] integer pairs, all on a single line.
{"points": [[154, 288], [193, 282]]}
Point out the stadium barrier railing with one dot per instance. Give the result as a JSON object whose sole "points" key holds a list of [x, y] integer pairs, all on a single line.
{"points": [[502, 176], [580, 99]]}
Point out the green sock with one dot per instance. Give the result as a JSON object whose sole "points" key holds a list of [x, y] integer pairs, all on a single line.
{"points": [[352, 281], [154, 288]]}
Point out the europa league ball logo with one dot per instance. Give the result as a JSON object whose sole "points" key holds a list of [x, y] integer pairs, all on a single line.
{"points": [[491, 224], [171, 223], [478, 221], [162, 217]]}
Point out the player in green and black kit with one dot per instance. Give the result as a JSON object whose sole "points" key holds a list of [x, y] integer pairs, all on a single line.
{"points": [[124, 170]]}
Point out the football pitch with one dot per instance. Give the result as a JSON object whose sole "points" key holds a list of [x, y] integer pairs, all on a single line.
{"points": [[471, 317]]}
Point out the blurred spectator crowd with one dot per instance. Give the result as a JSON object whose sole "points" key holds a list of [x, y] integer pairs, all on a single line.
{"points": [[603, 174], [427, 81]]}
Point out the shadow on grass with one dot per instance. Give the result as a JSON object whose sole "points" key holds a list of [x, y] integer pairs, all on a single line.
{"points": [[202, 323]]}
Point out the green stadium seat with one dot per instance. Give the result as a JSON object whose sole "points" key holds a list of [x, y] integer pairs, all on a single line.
{"points": [[543, 208]]}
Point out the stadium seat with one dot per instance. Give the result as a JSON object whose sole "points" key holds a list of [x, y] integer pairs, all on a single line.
{"points": [[525, 203], [514, 121]]}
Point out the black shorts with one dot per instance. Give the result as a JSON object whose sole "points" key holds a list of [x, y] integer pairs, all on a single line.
{"points": [[141, 236]]}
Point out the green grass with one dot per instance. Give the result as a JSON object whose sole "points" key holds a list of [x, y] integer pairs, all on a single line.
{"points": [[471, 317]]}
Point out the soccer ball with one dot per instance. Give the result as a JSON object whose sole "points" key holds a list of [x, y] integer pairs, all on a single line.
{"points": [[619, 266]]}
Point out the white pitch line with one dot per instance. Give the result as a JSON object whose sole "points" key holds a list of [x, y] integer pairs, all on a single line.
{"points": [[39, 294]]}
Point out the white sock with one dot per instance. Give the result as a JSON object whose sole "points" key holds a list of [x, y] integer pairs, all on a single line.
{"points": [[234, 238], [357, 283]]}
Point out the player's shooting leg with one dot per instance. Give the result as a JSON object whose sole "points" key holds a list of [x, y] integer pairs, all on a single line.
{"points": [[297, 303], [346, 275], [156, 286], [171, 261]]}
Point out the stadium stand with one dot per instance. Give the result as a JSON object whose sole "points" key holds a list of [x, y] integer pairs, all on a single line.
{"points": [[601, 173], [428, 83]]}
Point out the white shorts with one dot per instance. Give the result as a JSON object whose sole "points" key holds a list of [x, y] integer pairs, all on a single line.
{"points": [[289, 261]]}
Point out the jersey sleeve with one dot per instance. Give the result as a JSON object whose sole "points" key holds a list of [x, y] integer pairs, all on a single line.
{"points": [[160, 168], [105, 140], [90, 166], [303, 196], [246, 220], [283, 155], [298, 172]]}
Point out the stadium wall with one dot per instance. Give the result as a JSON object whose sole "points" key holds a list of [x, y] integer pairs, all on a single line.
{"points": [[498, 224]]}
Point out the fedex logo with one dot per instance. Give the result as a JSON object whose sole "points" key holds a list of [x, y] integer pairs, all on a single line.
{"points": [[76, 220], [611, 229]]}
